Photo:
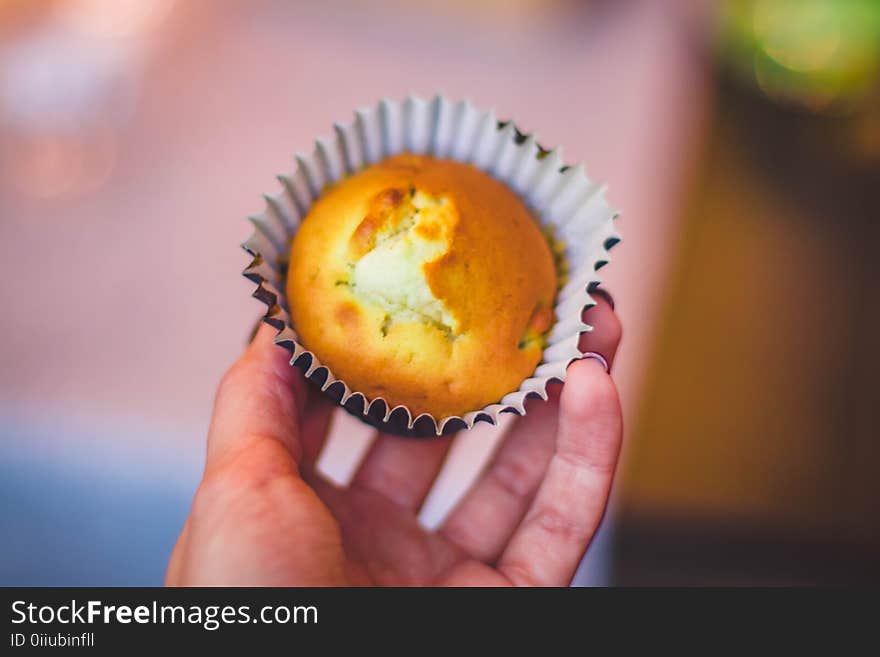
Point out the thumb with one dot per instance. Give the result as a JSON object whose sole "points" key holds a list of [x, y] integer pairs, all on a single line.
{"points": [[256, 400]]}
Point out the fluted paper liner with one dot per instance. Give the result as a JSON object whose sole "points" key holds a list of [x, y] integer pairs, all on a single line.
{"points": [[560, 197]]}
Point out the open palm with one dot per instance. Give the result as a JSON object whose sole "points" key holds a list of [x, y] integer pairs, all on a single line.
{"points": [[263, 516]]}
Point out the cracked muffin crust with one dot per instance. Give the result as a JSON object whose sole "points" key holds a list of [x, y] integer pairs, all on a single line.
{"points": [[425, 282]]}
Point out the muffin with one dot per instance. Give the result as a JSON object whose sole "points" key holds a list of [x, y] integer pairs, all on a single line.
{"points": [[423, 281]]}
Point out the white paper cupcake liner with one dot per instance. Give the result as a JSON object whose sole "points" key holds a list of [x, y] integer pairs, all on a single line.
{"points": [[560, 197]]}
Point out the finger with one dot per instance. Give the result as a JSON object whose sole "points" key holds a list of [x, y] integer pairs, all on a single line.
{"points": [[489, 513], [257, 399], [607, 330], [315, 423], [402, 469], [549, 543], [300, 387], [481, 524]]}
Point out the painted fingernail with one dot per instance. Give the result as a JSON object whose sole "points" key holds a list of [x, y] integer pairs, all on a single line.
{"points": [[602, 292], [598, 358]]}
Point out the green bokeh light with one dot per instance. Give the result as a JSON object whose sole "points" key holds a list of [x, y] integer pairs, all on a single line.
{"points": [[815, 53]]}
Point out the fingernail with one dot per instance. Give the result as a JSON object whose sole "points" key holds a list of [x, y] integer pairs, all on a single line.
{"points": [[599, 358], [602, 292]]}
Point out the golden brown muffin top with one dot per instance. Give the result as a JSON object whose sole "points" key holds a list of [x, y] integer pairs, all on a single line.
{"points": [[425, 282]]}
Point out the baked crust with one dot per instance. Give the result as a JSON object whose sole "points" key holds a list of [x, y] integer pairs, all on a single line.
{"points": [[423, 281]]}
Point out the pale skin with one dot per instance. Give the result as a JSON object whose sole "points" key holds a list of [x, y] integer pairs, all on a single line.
{"points": [[263, 516]]}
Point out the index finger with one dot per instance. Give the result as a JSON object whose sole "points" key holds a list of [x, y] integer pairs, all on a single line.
{"points": [[550, 541]]}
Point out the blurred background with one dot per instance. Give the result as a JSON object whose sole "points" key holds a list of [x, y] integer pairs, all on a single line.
{"points": [[740, 138]]}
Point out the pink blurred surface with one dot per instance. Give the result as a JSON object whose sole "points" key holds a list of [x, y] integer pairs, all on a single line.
{"points": [[128, 299]]}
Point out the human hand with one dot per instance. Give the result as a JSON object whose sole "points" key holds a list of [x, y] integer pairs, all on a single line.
{"points": [[263, 516]]}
